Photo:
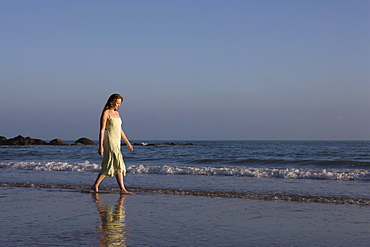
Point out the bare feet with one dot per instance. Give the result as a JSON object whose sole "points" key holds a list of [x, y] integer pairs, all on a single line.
{"points": [[126, 192], [94, 188]]}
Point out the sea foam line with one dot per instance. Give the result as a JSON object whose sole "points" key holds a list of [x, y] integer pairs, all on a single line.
{"points": [[284, 173], [223, 194], [51, 166]]}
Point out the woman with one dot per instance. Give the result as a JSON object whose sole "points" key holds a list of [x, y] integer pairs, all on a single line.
{"points": [[110, 146]]}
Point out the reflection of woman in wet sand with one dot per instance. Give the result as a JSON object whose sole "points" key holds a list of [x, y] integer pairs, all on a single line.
{"points": [[110, 146], [112, 227]]}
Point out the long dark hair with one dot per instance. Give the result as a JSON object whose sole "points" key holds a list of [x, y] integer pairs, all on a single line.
{"points": [[111, 100]]}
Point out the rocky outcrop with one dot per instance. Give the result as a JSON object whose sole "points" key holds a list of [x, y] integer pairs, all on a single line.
{"points": [[163, 144], [84, 141], [20, 140], [58, 142], [2, 140]]}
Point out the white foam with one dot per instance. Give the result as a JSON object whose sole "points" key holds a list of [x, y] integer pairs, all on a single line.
{"points": [[51, 166], [285, 173]]}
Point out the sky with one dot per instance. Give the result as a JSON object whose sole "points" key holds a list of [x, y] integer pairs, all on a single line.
{"points": [[188, 70]]}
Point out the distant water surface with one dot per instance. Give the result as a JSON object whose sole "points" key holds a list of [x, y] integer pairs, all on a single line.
{"points": [[328, 171]]}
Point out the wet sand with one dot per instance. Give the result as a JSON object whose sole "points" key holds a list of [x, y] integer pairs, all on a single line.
{"points": [[64, 217]]}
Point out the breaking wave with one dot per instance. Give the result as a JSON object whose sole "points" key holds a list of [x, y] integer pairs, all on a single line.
{"points": [[284, 173]]}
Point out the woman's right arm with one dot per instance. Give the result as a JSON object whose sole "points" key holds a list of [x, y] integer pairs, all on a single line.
{"points": [[103, 122]]}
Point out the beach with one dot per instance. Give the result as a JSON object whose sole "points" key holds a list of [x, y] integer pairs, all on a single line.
{"points": [[231, 123], [213, 193], [65, 217]]}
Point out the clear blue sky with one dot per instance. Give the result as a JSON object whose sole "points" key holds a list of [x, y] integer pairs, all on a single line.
{"points": [[195, 70]]}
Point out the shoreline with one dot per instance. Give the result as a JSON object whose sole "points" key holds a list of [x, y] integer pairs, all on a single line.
{"points": [[211, 194], [64, 217]]}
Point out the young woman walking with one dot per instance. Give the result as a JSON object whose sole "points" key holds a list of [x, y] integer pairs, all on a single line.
{"points": [[110, 145]]}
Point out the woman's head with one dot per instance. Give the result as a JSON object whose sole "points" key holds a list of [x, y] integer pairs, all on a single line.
{"points": [[113, 101]]}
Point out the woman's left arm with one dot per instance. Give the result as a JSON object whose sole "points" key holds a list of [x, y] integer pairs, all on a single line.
{"points": [[124, 138]]}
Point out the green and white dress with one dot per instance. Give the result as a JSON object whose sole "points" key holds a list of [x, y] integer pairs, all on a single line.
{"points": [[113, 163]]}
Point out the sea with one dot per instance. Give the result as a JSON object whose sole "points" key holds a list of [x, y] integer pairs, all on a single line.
{"points": [[330, 176]]}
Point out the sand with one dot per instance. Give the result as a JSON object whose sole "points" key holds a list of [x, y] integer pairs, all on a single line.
{"points": [[64, 217]]}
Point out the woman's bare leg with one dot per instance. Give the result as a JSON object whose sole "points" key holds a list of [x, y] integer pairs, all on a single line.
{"points": [[98, 180], [119, 178]]}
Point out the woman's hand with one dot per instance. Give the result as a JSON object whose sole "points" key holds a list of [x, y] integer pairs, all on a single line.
{"points": [[130, 147], [101, 151]]}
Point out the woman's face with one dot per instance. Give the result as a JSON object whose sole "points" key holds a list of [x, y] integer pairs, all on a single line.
{"points": [[116, 105]]}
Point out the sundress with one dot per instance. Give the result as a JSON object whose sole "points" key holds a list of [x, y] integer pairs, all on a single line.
{"points": [[113, 163]]}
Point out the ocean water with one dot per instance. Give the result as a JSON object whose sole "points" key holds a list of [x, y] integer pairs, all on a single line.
{"points": [[213, 193], [320, 171]]}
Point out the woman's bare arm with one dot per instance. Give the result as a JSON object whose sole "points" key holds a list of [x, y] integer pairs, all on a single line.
{"points": [[124, 138], [103, 122]]}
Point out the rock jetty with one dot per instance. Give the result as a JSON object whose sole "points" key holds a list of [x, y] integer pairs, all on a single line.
{"points": [[84, 141], [58, 142], [20, 140], [163, 144]]}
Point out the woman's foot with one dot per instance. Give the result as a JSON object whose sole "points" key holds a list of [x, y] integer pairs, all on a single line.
{"points": [[126, 192], [94, 188]]}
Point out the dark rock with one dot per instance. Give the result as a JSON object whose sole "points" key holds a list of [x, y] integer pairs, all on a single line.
{"points": [[84, 141], [164, 144], [38, 142], [2, 140], [20, 140], [137, 144], [58, 142]]}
